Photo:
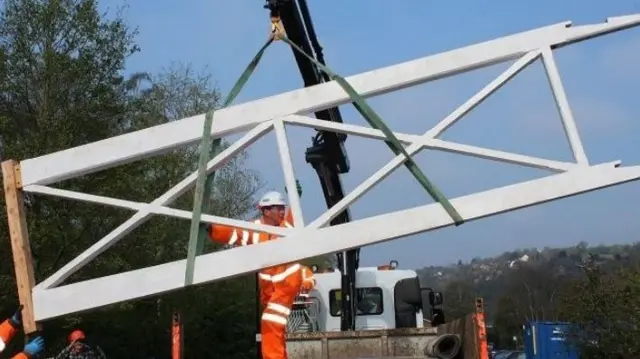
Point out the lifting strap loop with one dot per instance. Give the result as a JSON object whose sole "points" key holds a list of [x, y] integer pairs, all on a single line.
{"points": [[204, 183], [392, 141]]}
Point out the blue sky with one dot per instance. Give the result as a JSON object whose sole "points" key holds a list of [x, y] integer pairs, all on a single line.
{"points": [[601, 78]]}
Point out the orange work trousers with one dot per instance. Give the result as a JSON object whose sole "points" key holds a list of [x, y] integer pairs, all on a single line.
{"points": [[266, 290], [273, 326]]}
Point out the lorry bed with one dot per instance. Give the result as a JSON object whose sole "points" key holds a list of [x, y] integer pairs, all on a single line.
{"points": [[402, 343], [391, 343]]}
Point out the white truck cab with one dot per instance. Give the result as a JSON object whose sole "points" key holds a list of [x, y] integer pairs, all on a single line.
{"points": [[387, 298], [395, 318]]}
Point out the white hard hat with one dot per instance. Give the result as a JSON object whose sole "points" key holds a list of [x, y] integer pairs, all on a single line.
{"points": [[272, 198]]}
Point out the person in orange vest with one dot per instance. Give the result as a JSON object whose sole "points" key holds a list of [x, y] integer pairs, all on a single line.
{"points": [[279, 285], [8, 330]]}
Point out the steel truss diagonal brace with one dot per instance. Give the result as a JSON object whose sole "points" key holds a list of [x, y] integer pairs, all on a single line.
{"points": [[146, 210], [305, 243], [137, 145], [428, 140]]}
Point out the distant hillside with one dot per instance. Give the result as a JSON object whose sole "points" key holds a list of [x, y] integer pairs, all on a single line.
{"points": [[486, 277]]}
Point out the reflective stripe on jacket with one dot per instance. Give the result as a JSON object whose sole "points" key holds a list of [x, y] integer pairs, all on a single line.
{"points": [[241, 237]]}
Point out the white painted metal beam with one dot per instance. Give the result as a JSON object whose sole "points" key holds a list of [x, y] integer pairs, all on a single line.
{"points": [[305, 243], [155, 209], [434, 144], [144, 143]]}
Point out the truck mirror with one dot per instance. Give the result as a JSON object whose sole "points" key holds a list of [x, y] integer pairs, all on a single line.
{"points": [[435, 298]]}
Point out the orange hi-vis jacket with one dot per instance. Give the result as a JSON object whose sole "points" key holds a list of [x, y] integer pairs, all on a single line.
{"points": [[241, 237], [7, 331], [279, 286]]}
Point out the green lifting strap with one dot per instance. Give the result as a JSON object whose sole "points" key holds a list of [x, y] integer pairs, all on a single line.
{"points": [[216, 148], [392, 141], [204, 183]]}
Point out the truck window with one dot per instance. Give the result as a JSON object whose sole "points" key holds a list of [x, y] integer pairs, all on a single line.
{"points": [[369, 301]]}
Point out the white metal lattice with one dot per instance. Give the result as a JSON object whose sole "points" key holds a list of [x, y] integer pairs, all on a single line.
{"points": [[272, 113]]}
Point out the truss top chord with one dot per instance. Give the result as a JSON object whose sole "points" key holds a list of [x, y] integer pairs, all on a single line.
{"points": [[137, 145]]}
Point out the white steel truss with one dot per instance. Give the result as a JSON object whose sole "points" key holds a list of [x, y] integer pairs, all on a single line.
{"points": [[313, 239]]}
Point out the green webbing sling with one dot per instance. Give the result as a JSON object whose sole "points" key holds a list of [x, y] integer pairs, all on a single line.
{"points": [[377, 123], [204, 183]]}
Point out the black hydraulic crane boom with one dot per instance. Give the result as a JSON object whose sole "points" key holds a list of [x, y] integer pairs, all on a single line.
{"points": [[327, 154]]}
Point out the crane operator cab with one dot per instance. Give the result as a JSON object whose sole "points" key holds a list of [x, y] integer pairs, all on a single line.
{"points": [[387, 298]]}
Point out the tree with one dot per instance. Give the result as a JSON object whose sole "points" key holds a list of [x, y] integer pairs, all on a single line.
{"points": [[224, 311], [605, 309], [459, 297], [531, 293], [61, 85]]}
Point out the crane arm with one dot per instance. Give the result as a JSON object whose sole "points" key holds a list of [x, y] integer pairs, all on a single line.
{"points": [[327, 154]]}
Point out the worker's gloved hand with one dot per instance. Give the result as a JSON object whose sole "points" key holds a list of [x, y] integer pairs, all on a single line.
{"points": [[306, 286], [34, 347], [16, 318]]}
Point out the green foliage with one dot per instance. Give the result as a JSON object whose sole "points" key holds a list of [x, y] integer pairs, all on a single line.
{"points": [[61, 85], [606, 307], [459, 298], [596, 287]]}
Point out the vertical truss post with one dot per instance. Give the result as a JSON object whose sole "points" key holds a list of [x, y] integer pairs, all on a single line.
{"points": [[562, 103], [20, 245], [289, 173]]}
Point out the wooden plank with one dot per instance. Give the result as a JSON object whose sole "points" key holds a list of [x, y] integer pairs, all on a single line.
{"points": [[20, 245]]}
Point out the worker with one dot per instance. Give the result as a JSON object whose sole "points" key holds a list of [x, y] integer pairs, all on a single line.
{"points": [[8, 330], [279, 285], [79, 348]]}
